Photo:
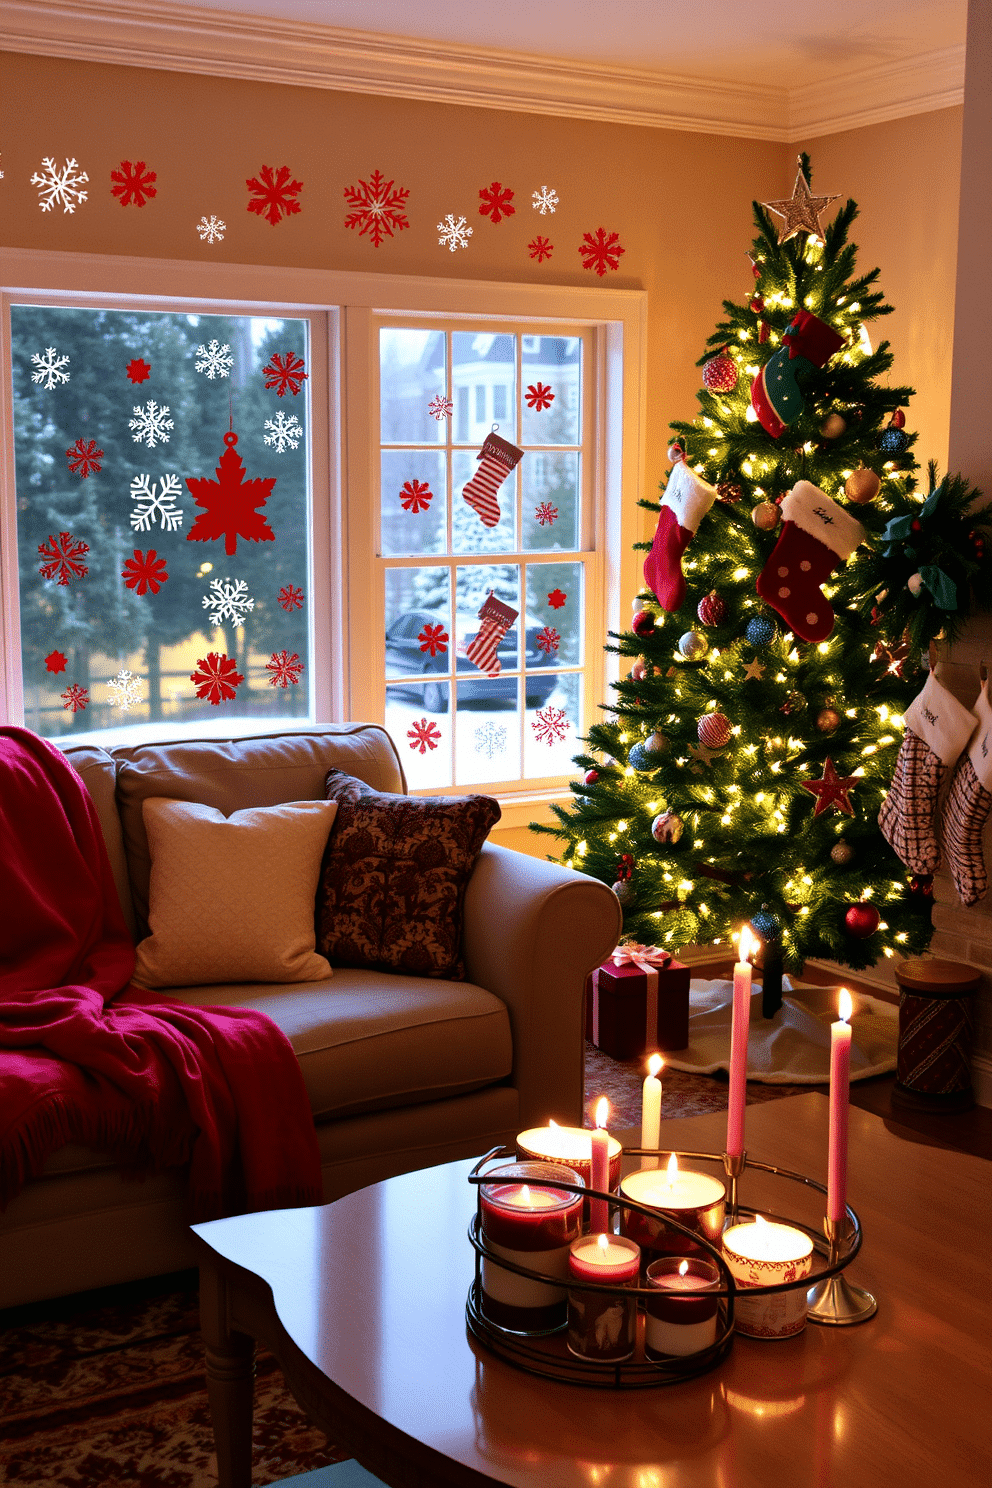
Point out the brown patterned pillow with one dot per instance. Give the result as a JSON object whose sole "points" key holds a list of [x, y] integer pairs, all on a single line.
{"points": [[392, 883]]}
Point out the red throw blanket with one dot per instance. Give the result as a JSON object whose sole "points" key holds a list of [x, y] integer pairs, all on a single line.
{"points": [[85, 1057]]}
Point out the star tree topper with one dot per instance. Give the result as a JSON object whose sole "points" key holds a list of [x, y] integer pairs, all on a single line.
{"points": [[230, 503], [801, 211], [831, 790]]}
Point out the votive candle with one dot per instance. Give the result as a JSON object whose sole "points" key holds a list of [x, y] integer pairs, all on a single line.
{"points": [[738, 1047], [695, 1200], [602, 1325], [651, 1110], [840, 1096], [571, 1145], [532, 1226], [764, 1254], [680, 1316]]}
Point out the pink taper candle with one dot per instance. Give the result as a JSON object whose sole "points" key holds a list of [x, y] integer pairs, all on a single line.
{"points": [[738, 1047], [840, 1095], [599, 1210]]}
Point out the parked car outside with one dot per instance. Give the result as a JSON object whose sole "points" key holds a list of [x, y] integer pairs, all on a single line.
{"points": [[405, 658]]}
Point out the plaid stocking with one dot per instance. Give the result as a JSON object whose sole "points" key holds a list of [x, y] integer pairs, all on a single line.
{"points": [[967, 807], [937, 729]]}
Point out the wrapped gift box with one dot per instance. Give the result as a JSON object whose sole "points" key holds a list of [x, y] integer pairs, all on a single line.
{"points": [[627, 1016]]}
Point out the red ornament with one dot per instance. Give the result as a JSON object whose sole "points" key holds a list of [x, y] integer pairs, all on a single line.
{"points": [[757, 304], [625, 868], [643, 623], [590, 777], [720, 373], [831, 790], [898, 420], [230, 504], [861, 920], [763, 331], [714, 731], [711, 609], [676, 453]]}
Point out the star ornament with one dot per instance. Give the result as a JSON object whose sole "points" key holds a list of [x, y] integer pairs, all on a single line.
{"points": [[831, 790], [801, 211], [753, 670]]}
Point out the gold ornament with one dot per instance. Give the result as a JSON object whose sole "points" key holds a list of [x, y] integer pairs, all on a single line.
{"points": [[765, 516], [827, 720], [841, 853], [833, 426], [753, 670], [801, 211], [693, 645], [862, 486]]}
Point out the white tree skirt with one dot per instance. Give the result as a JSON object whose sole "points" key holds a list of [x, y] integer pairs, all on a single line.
{"points": [[793, 1048]]}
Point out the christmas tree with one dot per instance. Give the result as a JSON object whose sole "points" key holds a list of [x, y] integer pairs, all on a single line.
{"points": [[739, 773]]}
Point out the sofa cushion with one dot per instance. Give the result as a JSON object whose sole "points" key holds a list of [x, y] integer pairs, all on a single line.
{"points": [[98, 771], [366, 1041], [232, 774], [392, 886], [231, 898]]}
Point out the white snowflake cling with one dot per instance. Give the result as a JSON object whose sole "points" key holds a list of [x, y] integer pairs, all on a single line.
{"points": [[152, 503], [490, 739], [229, 601], [454, 232], [125, 690], [286, 432], [545, 200], [150, 423], [215, 360], [211, 229], [49, 368], [59, 185]]}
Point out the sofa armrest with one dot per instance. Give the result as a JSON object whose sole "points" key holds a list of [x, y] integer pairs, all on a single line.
{"points": [[533, 932]]}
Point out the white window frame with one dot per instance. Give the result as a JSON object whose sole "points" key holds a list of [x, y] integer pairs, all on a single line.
{"points": [[344, 374]]}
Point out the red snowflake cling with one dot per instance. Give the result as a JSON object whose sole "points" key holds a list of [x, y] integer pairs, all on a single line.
{"points": [[84, 457], [138, 370], [539, 396], [540, 248], [55, 662], [75, 697], [285, 372], [601, 252], [440, 407], [62, 555], [274, 196], [423, 736], [416, 496], [216, 677], [286, 670], [144, 571], [556, 599], [377, 208], [133, 184], [291, 598], [230, 503], [550, 725], [433, 638], [548, 640], [546, 514], [496, 201]]}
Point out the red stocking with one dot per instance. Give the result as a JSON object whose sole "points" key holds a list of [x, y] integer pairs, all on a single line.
{"points": [[817, 534], [686, 501], [497, 458]]}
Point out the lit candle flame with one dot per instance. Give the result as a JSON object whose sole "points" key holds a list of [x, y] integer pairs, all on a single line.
{"points": [[654, 1064], [602, 1112], [760, 1219], [602, 1241], [673, 1169], [845, 1004], [683, 1268], [747, 943], [525, 1197]]}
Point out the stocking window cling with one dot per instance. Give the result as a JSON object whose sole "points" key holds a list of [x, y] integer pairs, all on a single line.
{"points": [[496, 618], [497, 458]]}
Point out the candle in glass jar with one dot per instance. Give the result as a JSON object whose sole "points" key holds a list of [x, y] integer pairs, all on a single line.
{"points": [[531, 1226], [740, 1028], [840, 1096], [696, 1200], [599, 1209], [764, 1254], [571, 1145], [602, 1325], [651, 1110], [680, 1316]]}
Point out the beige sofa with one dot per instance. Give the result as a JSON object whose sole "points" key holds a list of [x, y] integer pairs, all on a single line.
{"points": [[401, 1071]]}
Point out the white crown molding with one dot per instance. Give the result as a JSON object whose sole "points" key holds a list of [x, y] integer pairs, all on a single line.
{"points": [[183, 38]]}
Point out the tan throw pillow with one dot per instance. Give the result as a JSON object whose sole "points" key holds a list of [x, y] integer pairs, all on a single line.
{"points": [[392, 888], [231, 898]]}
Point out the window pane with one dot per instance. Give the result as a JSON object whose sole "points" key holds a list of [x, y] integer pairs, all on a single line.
{"points": [[550, 500], [411, 375], [554, 609], [551, 375], [418, 721], [469, 534], [413, 502], [488, 731], [553, 727], [123, 453], [418, 622], [483, 361]]}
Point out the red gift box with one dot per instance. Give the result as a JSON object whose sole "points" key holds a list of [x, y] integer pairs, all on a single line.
{"points": [[634, 1009]]}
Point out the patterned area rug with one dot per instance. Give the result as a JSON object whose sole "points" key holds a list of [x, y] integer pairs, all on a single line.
{"points": [[108, 1390]]}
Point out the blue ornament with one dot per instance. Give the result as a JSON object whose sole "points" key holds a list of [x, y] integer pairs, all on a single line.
{"points": [[893, 441], [643, 758], [761, 631], [765, 924]]}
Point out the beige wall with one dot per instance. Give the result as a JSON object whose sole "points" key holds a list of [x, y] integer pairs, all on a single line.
{"points": [[680, 202]]}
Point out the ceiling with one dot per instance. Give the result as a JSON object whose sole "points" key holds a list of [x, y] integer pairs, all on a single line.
{"points": [[726, 40]]}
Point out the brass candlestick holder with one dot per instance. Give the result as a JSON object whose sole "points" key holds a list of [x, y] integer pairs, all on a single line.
{"points": [[834, 1301], [733, 1166]]}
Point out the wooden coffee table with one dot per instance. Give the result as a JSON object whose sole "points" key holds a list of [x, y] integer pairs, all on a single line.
{"points": [[363, 1303]]}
